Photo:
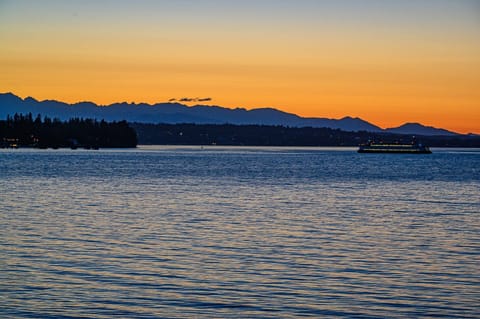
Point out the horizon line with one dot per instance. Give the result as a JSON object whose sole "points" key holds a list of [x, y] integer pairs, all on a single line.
{"points": [[183, 103]]}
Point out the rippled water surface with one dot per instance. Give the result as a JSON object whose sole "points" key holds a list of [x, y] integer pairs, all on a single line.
{"points": [[171, 232]]}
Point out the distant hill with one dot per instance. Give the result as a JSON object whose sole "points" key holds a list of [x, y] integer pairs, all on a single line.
{"points": [[269, 135], [173, 113], [419, 129]]}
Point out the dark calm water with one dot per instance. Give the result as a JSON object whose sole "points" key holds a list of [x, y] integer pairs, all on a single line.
{"points": [[171, 232]]}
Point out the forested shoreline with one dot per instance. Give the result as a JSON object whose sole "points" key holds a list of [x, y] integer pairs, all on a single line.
{"points": [[268, 135], [22, 130]]}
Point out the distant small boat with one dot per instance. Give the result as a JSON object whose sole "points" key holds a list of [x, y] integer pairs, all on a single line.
{"points": [[414, 148]]}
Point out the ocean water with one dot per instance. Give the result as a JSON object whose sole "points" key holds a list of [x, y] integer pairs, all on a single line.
{"points": [[190, 232]]}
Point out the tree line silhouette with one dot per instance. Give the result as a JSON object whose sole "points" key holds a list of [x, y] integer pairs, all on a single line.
{"points": [[268, 135], [24, 130]]}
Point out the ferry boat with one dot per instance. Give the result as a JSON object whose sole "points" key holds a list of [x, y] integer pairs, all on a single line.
{"points": [[414, 148]]}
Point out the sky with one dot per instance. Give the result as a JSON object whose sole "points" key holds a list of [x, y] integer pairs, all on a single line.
{"points": [[386, 61]]}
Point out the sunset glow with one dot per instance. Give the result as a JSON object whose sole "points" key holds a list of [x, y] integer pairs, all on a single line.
{"points": [[388, 62]]}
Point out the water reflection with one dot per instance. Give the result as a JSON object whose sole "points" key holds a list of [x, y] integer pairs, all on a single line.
{"points": [[238, 234]]}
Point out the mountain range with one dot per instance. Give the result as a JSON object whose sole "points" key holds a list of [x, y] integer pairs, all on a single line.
{"points": [[172, 113]]}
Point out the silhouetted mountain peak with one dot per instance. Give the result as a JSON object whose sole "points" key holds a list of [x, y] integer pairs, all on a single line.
{"points": [[10, 98], [8, 95], [419, 129], [85, 103], [411, 125], [32, 99]]}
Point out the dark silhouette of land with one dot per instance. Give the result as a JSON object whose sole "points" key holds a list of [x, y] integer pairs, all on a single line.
{"points": [[177, 113], [267, 135], [25, 131]]}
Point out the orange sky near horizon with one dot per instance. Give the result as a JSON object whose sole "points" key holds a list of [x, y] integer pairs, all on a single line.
{"points": [[385, 62]]}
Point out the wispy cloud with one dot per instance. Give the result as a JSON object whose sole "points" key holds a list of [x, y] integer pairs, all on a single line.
{"points": [[191, 99]]}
